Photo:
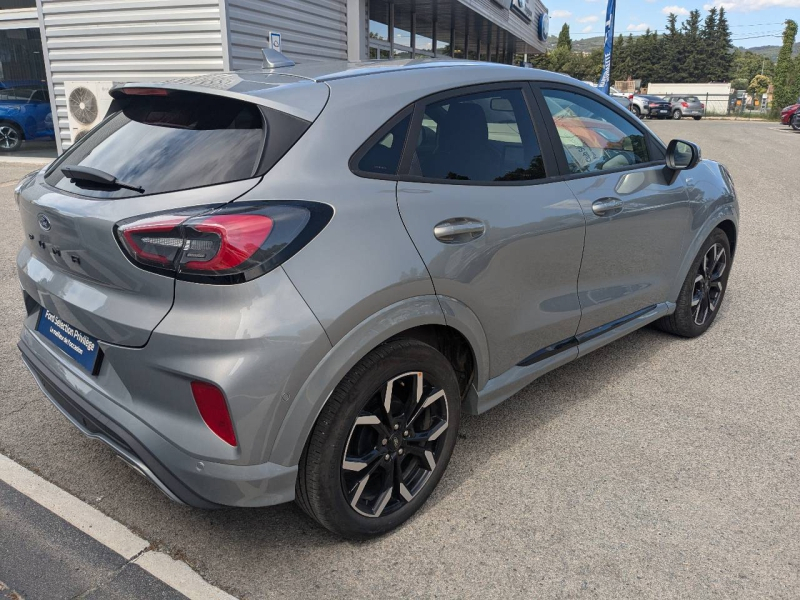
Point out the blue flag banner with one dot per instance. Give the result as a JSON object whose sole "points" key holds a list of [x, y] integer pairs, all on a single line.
{"points": [[605, 78]]}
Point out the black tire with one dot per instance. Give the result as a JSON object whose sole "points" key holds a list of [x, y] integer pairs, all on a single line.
{"points": [[636, 111], [684, 321], [697, 118], [11, 137], [795, 123], [677, 114], [321, 477]]}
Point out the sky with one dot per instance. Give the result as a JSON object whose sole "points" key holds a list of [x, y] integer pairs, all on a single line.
{"points": [[752, 22]]}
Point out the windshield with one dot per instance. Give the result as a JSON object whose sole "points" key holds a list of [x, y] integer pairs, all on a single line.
{"points": [[169, 143]]}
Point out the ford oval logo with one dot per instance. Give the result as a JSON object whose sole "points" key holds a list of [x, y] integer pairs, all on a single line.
{"points": [[44, 222]]}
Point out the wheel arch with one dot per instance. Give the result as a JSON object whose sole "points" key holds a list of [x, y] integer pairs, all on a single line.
{"points": [[448, 326], [724, 218]]}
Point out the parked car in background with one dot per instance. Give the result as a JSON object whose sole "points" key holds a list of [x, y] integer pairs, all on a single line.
{"points": [[24, 115], [686, 106], [239, 346], [616, 95], [651, 106], [788, 113]]}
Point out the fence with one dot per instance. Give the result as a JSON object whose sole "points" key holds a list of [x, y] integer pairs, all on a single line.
{"points": [[736, 104]]}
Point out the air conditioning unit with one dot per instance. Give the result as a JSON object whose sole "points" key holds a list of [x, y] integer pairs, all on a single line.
{"points": [[87, 105]]}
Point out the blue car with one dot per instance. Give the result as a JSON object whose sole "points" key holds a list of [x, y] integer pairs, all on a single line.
{"points": [[25, 114]]}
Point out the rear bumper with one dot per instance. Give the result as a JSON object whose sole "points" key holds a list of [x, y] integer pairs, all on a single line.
{"points": [[182, 477]]}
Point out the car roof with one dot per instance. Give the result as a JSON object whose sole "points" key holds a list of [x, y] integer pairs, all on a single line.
{"points": [[297, 89]]}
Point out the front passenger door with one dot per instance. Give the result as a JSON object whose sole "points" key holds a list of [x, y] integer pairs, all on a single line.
{"points": [[636, 217]]}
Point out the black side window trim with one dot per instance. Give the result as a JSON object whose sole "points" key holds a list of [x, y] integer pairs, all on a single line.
{"points": [[654, 148], [418, 108], [381, 132]]}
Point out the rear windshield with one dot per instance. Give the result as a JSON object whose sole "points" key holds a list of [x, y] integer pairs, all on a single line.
{"points": [[169, 143]]}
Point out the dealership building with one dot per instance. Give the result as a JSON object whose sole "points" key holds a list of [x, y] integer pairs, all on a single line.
{"points": [[91, 44]]}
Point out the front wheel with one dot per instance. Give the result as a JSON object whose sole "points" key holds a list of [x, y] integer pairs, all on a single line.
{"points": [[703, 289], [10, 137], [677, 114], [795, 124], [636, 111], [382, 441]]}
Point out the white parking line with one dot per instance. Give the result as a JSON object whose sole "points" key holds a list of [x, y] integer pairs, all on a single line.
{"points": [[110, 533]]}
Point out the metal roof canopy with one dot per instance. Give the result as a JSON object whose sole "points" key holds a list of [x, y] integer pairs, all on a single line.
{"points": [[459, 14]]}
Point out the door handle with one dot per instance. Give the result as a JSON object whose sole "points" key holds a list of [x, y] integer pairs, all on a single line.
{"points": [[458, 230], [605, 207]]}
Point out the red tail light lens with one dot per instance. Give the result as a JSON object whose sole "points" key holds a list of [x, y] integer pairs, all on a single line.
{"points": [[214, 410], [145, 91], [235, 243], [685, 104], [702, 105]]}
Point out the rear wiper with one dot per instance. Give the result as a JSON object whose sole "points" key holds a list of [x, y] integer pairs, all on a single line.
{"points": [[97, 176]]}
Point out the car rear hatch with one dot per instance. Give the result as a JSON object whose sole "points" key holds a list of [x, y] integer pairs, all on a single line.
{"points": [[190, 149]]}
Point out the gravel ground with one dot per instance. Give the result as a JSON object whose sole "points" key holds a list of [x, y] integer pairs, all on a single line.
{"points": [[653, 468]]}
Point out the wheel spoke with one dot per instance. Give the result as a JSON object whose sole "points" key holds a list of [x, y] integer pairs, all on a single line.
{"points": [[436, 394], [359, 463], [429, 435]]}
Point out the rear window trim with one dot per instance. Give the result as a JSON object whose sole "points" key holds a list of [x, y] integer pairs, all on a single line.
{"points": [[258, 172]]}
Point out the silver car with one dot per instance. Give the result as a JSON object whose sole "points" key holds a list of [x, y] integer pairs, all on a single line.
{"points": [[291, 283], [686, 106]]}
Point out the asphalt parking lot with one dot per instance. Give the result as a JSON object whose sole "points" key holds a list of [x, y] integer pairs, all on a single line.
{"points": [[653, 468]]}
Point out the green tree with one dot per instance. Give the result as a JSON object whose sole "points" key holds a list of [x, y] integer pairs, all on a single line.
{"points": [[693, 63], [758, 86], [564, 41], [705, 58], [786, 76], [723, 58], [746, 65]]}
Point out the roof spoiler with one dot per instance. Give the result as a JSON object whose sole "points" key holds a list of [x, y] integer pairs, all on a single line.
{"points": [[274, 59]]}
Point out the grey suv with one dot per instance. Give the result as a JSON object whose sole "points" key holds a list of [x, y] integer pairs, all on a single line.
{"points": [[291, 283]]}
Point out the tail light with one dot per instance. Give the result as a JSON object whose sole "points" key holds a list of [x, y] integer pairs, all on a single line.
{"points": [[214, 410], [702, 105], [630, 96], [685, 104], [232, 244]]}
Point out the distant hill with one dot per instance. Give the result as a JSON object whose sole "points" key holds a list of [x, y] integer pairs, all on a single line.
{"points": [[584, 45], [771, 52]]}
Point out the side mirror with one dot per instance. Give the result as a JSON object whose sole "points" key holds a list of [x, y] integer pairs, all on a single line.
{"points": [[682, 155]]}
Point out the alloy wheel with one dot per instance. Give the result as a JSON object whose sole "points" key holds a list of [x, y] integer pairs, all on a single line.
{"points": [[707, 291], [394, 445], [9, 138]]}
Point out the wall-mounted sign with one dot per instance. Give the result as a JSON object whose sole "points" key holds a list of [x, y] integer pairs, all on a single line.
{"points": [[544, 26], [275, 40], [522, 8]]}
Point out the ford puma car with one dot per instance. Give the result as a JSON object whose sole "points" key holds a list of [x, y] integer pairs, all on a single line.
{"points": [[289, 284]]}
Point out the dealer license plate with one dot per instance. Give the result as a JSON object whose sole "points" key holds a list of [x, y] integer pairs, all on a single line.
{"points": [[79, 346]]}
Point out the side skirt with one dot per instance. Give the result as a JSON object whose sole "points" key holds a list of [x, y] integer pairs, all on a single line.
{"points": [[542, 361]]}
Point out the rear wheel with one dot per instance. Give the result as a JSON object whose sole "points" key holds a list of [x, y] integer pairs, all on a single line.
{"points": [[677, 114], [795, 122], [703, 290], [382, 441], [697, 118], [10, 137], [636, 111]]}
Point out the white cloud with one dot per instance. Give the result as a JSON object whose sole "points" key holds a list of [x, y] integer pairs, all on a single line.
{"points": [[589, 19], [587, 29], [638, 27], [753, 5], [676, 10], [560, 14]]}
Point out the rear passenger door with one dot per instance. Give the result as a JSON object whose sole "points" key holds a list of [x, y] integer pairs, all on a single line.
{"points": [[637, 213], [497, 232]]}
